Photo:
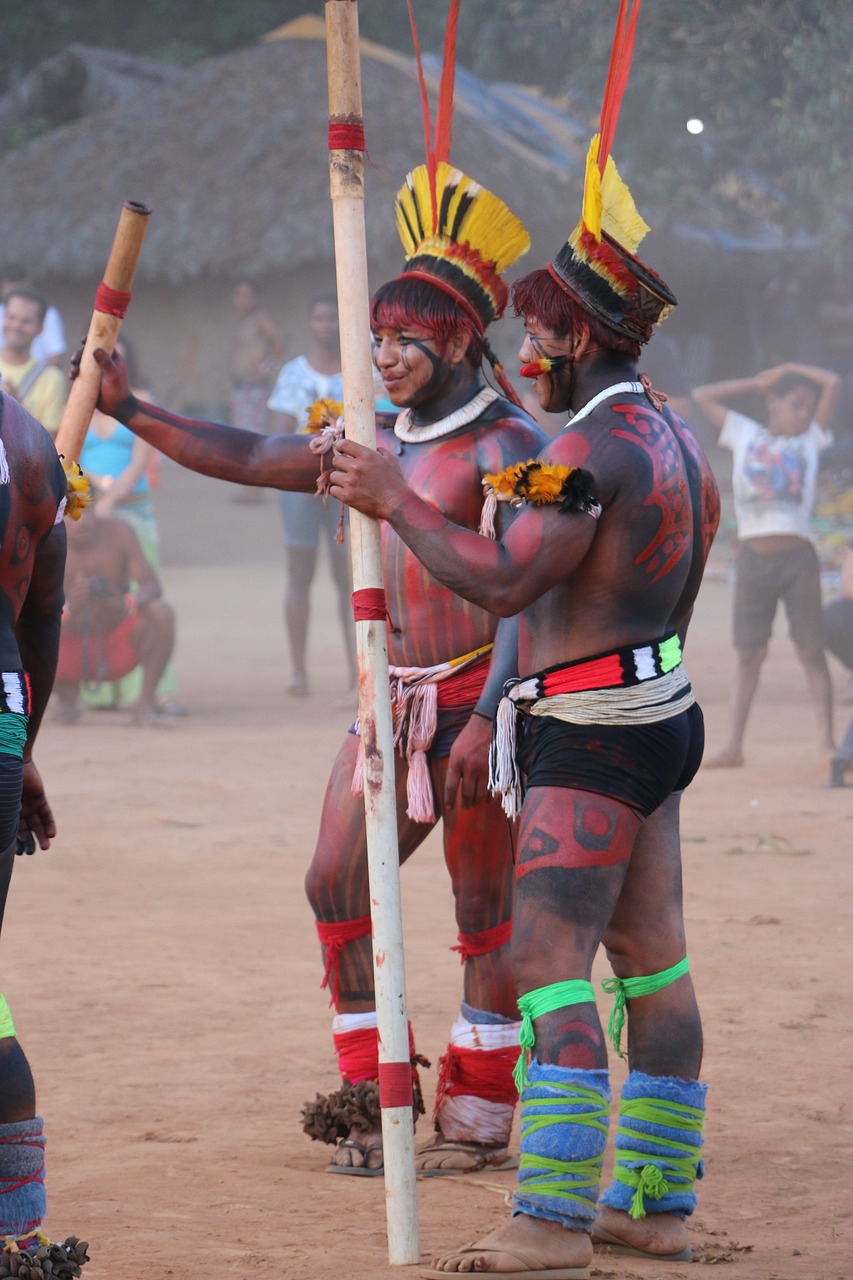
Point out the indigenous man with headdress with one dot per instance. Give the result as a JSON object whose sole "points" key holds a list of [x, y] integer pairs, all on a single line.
{"points": [[448, 665], [33, 498], [603, 564]]}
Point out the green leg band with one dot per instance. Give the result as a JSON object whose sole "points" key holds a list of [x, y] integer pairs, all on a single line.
{"points": [[545, 1000], [623, 989], [7, 1026]]}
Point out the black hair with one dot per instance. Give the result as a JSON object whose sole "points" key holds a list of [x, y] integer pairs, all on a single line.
{"points": [[32, 295], [400, 302], [792, 382], [325, 298]]}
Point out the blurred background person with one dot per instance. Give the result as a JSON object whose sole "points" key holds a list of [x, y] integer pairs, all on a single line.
{"points": [[256, 357], [33, 382], [114, 619], [774, 474], [313, 376], [49, 344], [838, 623], [122, 470]]}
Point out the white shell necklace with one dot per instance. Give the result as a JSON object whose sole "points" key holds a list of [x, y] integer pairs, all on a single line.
{"points": [[405, 429], [618, 389]]}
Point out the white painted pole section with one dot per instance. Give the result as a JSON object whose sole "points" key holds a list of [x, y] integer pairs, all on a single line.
{"points": [[346, 169]]}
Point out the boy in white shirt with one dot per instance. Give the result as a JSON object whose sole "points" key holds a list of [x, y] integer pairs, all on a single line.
{"points": [[774, 472]]}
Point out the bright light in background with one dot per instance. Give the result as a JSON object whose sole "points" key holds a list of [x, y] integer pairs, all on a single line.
{"points": [[695, 126]]}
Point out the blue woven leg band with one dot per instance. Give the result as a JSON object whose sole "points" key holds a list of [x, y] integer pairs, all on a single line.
{"points": [[564, 1119], [657, 1159], [22, 1208]]}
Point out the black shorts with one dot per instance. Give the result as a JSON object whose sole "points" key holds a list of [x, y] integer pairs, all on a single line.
{"points": [[639, 765], [762, 580]]}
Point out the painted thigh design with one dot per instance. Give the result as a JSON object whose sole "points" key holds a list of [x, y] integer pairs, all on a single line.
{"points": [[574, 849]]}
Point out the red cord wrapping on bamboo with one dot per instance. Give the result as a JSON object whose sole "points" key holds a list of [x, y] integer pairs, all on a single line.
{"points": [[479, 1073], [480, 944], [346, 136], [369, 605], [111, 302], [334, 936]]}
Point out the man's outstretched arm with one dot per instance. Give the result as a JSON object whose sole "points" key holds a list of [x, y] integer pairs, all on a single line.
{"points": [[541, 548], [211, 448]]}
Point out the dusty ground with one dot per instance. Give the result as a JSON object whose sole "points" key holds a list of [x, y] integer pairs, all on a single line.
{"points": [[162, 967]]}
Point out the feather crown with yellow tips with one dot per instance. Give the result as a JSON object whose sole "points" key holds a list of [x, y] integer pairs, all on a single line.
{"points": [[455, 234], [598, 265]]}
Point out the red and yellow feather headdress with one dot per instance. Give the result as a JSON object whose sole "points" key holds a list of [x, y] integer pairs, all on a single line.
{"points": [[598, 265], [455, 234]]}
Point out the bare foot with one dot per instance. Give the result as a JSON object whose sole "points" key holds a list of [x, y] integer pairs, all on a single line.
{"points": [[65, 714], [359, 1150], [148, 717], [728, 758], [298, 687], [522, 1244], [444, 1156], [659, 1235], [836, 768]]}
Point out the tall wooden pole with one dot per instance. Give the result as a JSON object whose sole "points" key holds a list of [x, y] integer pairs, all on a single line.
{"points": [[346, 168], [111, 301]]}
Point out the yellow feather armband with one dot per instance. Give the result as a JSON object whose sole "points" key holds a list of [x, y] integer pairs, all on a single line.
{"points": [[544, 484], [78, 495], [322, 413]]}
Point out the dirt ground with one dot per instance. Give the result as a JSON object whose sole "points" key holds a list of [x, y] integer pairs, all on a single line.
{"points": [[163, 971]]}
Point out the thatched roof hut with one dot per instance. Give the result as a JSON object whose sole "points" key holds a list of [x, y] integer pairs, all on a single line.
{"points": [[231, 155], [78, 81], [232, 159]]}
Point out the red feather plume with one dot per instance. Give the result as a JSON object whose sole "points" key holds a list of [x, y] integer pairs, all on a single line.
{"points": [[438, 146], [621, 56]]}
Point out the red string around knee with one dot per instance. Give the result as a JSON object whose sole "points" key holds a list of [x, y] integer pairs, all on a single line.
{"points": [[480, 944], [334, 935]]}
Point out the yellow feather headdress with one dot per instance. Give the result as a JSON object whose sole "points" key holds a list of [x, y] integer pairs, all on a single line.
{"points": [[459, 236]]}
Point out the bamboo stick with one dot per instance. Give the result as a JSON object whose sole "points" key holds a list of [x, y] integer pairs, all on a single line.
{"points": [[103, 328], [346, 168]]}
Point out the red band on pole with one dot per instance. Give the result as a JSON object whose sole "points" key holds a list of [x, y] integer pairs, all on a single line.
{"points": [[111, 302], [346, 137], [395, 1084], [369, 605]]}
